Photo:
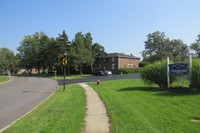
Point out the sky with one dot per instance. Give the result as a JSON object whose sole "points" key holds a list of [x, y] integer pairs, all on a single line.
{"points": [[117, 25]]}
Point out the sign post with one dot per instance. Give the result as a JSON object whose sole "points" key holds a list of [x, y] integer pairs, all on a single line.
{"points": [[64, 62], [190, 67], [168, 77]]}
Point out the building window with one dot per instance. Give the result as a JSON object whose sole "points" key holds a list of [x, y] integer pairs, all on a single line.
{"points": [[113, 66], [113, 59]]}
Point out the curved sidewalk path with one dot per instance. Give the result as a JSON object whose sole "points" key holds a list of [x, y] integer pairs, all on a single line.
{"points": [[96, 119]]}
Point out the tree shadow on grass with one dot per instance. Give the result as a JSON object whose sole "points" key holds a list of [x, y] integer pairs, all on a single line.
{"points": [[148, 89], [161, 92]]}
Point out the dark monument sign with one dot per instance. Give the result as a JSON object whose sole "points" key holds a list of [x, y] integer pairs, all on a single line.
{"points": [[178, 68]]}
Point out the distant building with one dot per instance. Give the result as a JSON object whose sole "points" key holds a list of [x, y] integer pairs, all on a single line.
{"points": [[114, 61]]}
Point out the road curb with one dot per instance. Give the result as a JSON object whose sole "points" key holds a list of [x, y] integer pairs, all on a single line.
{"points": [[12, 123]]}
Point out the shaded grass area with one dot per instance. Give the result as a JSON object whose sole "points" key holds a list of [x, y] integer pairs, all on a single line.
{"points": [[64, 112], [3, 78], [136, 108]]}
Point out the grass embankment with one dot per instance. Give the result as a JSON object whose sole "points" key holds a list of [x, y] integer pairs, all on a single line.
{"points": [[134, 107], [64, 112], [4, 79]]}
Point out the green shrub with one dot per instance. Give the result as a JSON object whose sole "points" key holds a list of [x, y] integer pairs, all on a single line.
{"points": [[195, 78], [130, 70], [156, 73]]}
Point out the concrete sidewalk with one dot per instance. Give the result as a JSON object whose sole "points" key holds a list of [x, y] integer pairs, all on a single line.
{"points": [[96, 119]]}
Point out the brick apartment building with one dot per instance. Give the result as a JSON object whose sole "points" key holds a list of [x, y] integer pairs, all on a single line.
{"points": [[114, 61]]}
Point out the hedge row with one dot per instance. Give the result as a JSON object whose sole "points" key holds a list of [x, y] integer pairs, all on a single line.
{"points": [[195, 78], [130, 70], [157, 73]]}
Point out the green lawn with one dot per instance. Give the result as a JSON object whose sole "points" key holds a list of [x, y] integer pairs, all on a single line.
{"points": [[3, 78], [64, 112], [136, 108], [77, 76]]}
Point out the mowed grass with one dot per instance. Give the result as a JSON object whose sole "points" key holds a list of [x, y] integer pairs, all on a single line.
{"points": [[3, 78], [136, 108], [77, 76], [64, 112]]}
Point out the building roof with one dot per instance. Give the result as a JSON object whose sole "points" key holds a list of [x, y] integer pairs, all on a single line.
{"points": [[121, 55]]}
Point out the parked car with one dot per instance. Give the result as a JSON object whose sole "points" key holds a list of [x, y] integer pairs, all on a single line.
{"points": [[106, 72], [100, 73]]}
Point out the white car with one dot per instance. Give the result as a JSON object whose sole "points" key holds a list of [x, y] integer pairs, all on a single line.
{"points": [[107, 72]]}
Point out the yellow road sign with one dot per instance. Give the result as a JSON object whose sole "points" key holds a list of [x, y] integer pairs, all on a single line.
{"points": [[64, 61]]}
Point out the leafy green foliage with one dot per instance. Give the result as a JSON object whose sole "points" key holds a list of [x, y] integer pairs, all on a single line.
{"points": [[158, 47], [41, 52], [98, 50], [7, 60], [81, 51], [129, 70], [34, 51], [195, 78], [196, 46], [156, 73]]}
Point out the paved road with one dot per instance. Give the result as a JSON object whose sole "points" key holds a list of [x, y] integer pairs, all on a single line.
{"points": [[21, 95]]}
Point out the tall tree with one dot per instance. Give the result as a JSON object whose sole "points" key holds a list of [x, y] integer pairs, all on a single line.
{"points": [[196, 46], [7, 60], [62, 45], [158, 47], [177, 49], [88, 46], [80, 53], [34, 51], [98, 50], [155, 45]]}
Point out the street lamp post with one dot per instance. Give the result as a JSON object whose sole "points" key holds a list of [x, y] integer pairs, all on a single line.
{"points": [[64, 61]]}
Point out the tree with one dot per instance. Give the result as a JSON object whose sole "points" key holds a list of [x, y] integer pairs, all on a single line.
{"points": [[88, 46], [155, 45], [158, 47], [98, 50], [62, 45], [7, 60], [196, 46], [177, 49], [80, 51], [34, 51]]}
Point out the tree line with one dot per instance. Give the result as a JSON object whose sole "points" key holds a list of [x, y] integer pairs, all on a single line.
{"points": [[158, 46], [42, 52], [45, 53]]}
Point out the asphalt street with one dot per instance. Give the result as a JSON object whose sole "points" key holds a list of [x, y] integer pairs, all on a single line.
{"points": [[19, 96]]}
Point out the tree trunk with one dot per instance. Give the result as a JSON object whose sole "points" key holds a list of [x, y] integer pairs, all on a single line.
{"points": [[92, 69], [80, 70]]}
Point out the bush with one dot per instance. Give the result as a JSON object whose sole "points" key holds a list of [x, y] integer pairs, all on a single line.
{"points": [[129, 70], [195, 78], [156, 73]]}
